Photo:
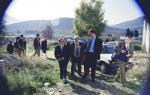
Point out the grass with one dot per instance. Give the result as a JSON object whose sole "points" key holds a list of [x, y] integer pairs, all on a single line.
{"points": [[51, 45], [2, 51], [29, 75]]}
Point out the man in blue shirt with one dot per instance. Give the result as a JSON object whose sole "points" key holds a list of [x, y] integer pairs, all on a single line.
{"points": [[93, 50]]}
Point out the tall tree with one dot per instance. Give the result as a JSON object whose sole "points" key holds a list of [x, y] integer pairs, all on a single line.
{"points": [[129, 33], [136, 33], [48, 32], [89, 15]]}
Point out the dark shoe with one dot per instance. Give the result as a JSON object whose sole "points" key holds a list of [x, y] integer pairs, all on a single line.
{"points": [[65, 80], [84, 76], [79, 74], [72, 78]]}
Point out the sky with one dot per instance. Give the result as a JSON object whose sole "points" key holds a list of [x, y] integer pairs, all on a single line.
{"points": [[116, 11]]}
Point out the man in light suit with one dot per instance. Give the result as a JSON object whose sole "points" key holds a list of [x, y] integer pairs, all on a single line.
{"points": [[93, 50]]}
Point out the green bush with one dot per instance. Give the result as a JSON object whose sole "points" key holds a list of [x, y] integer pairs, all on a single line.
{"points": [[137, 48], [29, 76]]}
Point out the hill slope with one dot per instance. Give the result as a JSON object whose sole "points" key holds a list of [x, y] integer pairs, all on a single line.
{"points": [[28, 25], [65, 25], [133, 24]]}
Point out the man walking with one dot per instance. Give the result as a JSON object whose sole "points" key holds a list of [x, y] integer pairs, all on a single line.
{"points": [[76, 56], [125, 51], [10, 48], [94, 47], [62, 54], [21, 43], [36, 44], [17, 47]]}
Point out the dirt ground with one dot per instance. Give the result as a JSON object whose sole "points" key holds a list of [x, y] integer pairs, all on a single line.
{"points": [[105, 84]]}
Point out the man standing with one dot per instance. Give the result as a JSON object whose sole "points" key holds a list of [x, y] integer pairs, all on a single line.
{"points": [[62, 54], [76, 56], [21, 43], [44, 47], [94, 48], [10, 48], [17, 47], [36, 44], [125, 51]]}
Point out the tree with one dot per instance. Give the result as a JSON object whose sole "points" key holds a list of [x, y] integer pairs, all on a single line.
{"points": [[48, 32], [136, 33], [129, 33], [89, 15]]}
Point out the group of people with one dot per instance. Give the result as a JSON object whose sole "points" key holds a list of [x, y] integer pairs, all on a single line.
{"points": [[38, 45], [79, 53], [18, 47], [88, 54]]}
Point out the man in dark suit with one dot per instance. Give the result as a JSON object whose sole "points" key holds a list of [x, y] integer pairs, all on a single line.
{"points": [[10, 48], [62, 54], [76, 56], [93, 50], [21, 43], [17, 47], [36, 44]]}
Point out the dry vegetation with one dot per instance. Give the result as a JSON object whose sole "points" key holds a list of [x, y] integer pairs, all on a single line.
{"points": [[28, 76]]}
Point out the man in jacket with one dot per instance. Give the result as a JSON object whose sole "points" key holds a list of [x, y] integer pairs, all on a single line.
{"points": [[76, 56], [93, 50], [62, 54]]}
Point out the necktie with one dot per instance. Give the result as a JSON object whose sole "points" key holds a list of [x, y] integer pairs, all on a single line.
{"points": [[89, 44], [62, 48], [77, 50]]}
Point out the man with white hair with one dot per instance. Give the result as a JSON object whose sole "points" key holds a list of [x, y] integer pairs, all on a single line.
{"points": [[76, 56]]}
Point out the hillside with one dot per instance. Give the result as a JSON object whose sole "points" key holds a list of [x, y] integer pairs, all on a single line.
{"points": [[133, 24], [110, 29], [28, 26], [65, 26]]}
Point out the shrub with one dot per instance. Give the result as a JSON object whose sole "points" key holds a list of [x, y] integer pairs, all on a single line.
{"points": [[29, 76]]}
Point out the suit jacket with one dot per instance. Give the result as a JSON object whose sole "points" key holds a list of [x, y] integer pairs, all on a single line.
{"points": [[122, 56], [59, 53], [97, 47], [72, 50], [121, 46], [44, 45], [36, 42]]}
